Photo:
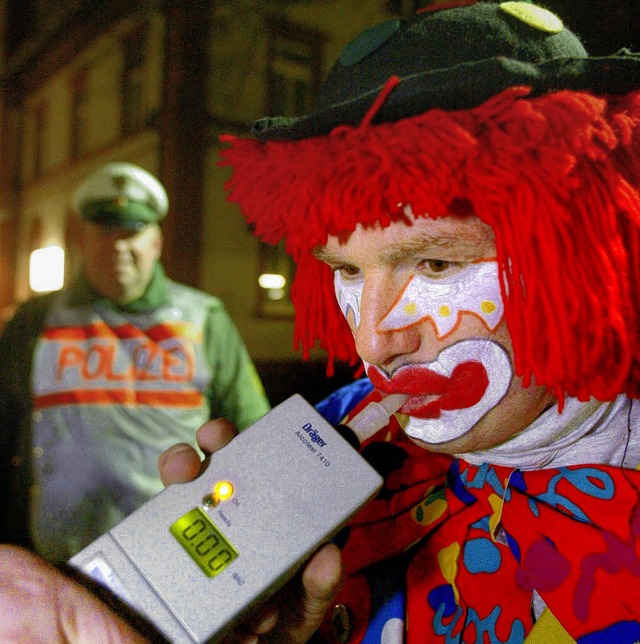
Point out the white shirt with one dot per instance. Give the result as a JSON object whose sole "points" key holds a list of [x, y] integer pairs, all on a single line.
{"points": [[584, 433]]}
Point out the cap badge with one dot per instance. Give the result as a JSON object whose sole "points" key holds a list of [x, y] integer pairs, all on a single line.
{"points": [[120, 183]]}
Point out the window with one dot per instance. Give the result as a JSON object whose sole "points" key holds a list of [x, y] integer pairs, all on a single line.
{"points": [[20, 22], [274, 281], [40, 116], [294, 71], [294, 67]]}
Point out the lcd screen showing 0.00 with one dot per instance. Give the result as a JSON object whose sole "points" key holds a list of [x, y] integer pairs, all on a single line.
{"points": [[204, 543]]}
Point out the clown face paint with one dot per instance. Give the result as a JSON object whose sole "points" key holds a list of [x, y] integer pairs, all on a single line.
{"points": [[474, 290], [450, 395], [396, 284], [468, 378], [348, 294]]}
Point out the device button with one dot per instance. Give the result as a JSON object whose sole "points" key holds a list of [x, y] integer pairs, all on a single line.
{"points": [[341, 623]]}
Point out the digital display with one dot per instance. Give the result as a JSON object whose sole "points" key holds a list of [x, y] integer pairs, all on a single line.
{"points": [[206, 545]]}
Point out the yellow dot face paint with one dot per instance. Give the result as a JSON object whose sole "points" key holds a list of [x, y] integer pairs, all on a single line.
{"points": [[411, 308], [488, 307], [475, 290]]}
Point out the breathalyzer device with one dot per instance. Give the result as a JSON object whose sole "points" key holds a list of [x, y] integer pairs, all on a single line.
{"points": [[199, 556]]}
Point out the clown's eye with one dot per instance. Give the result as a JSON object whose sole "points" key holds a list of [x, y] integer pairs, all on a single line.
{"points": [[347, 271], [438, 267]]}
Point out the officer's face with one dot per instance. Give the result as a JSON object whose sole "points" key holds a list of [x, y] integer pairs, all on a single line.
{"points": [[119, 263], [425, 307]]}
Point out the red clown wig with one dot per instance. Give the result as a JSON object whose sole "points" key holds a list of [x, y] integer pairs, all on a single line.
{"points": [[557, 177]]}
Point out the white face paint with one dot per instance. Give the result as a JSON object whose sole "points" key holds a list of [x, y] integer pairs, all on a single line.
{"points": [[475, 373], [349, 294], [475, 289], [467, 366], [423, 300]]}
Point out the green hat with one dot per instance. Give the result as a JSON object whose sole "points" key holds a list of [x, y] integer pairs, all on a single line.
{"points": [[121, 195]]}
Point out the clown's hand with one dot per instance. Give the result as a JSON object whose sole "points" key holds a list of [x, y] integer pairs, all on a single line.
{"points": [[295, 612]]}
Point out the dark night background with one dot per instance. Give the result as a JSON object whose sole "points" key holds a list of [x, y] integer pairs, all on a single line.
{"points": [[603, 26]]}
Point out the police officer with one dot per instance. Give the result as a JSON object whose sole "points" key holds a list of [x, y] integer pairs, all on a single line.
{"points": [[101, 377]]}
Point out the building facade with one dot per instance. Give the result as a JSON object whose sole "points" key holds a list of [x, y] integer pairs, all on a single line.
{"points": [[155, 82]]}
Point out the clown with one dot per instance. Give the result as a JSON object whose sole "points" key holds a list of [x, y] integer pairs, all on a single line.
{"points": [[464, 211]]}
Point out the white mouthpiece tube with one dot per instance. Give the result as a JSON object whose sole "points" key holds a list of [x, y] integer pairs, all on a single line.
{"points": [[375, 416]]}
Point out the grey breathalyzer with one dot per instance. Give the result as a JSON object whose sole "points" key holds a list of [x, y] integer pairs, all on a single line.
{"points": [[199, 556]]}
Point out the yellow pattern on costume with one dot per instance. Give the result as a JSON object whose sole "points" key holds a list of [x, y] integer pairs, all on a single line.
{"points": [[448, 562], [431, 509], [548, 630]]}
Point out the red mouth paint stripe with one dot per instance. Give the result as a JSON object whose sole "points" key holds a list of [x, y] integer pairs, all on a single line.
{"points": [[463, 389], [413, 380]]}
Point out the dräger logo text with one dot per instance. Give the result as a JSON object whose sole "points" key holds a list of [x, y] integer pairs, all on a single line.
{"points": [[313, 435]]}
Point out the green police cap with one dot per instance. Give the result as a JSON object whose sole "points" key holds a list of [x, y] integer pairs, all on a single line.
{"points": [[121, 195]]}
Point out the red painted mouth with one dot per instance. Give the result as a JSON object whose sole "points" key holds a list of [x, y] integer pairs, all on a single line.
{"points": [[431, 392]]}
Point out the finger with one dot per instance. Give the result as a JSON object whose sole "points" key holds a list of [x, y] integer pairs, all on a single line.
{"points": [[39, 604], [215, 434], [259, 623], [321, 580], [302, 612], [179, 464], [262, 620]]}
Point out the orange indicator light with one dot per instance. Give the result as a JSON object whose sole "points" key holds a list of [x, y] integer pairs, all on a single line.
{"points": [[222, 490]]}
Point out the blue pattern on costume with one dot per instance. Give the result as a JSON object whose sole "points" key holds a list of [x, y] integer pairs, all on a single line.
{"points": [[588, 480], [456, 485], [387, 584], [481, 556], [620, 633], [338, 404], [485, 475]]}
